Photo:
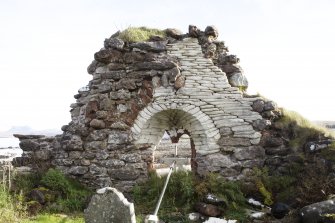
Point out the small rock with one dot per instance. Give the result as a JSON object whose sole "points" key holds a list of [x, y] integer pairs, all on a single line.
{"points": [[257, 215], [97, 124], [269, 106], [37, 195], [180, 81], [272, 141], [280, 150], [207, 209], [261, 124], [193, 31], [158, 46], [279, 210], [212, 199], [231, 68], [258, 105], [174, 33], [255, 203], [78, 170], [219, 220], [194, 216], [114, 43], [238, 80]]}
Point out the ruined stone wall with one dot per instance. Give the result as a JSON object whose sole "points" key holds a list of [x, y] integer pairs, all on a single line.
{"points": [[139, 91]]}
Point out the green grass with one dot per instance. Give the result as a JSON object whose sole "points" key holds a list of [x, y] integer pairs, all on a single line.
{"points": [[12, 208], [63, 195], [54, 218], [140, 34], [183, 191], [301, 129]]}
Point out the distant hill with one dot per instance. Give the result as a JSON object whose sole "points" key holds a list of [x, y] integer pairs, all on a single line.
{"points": [[27, 130]]}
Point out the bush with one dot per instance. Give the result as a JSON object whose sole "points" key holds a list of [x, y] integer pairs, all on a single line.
{"points": [[139, 34], [25, 182], [55, 180], [72, 196]]}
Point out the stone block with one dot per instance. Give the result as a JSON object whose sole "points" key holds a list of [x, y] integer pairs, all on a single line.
{"points": [[249, 153], [118, 137]]}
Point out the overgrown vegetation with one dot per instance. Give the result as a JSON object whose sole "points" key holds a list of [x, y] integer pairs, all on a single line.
{"points": [[184, 190], [60, 195], [302, 186], [12, 208], [300, 129], [274, 188], [140, 34], [54, 218]]}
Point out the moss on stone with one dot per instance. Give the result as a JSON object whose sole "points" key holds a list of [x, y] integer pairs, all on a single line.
{"points": [[140, 34]]}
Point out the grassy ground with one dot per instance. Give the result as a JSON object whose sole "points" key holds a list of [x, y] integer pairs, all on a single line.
{"points": [[54, 218]]}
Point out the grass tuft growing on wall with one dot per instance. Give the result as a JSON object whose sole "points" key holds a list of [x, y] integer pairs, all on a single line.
{"points": [[140, 34], [301, 129]]}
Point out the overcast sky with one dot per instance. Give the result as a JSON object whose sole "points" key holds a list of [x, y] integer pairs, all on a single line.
{"points": [[286, 47]]}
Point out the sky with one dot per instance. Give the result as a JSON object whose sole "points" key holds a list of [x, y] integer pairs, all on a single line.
{"points": [[286, 48]]}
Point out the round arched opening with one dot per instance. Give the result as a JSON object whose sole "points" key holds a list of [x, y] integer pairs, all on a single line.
{"points": [[154, 127], [179, 148]]}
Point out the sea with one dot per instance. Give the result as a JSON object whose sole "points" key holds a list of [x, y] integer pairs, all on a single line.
{"points": [[9, 148]]}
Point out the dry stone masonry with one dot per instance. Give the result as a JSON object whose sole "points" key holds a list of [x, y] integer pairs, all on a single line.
{"points": [[181, 84]]}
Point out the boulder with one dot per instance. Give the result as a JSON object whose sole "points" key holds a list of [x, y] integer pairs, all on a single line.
{"points": [[318, 212], [109, 205]]}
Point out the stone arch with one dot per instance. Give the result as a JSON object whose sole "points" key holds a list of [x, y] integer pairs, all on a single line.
{"points": [[155, 119]]}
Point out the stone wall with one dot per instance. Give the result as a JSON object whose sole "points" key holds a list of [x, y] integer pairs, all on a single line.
{"points": [[180, 84]]}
